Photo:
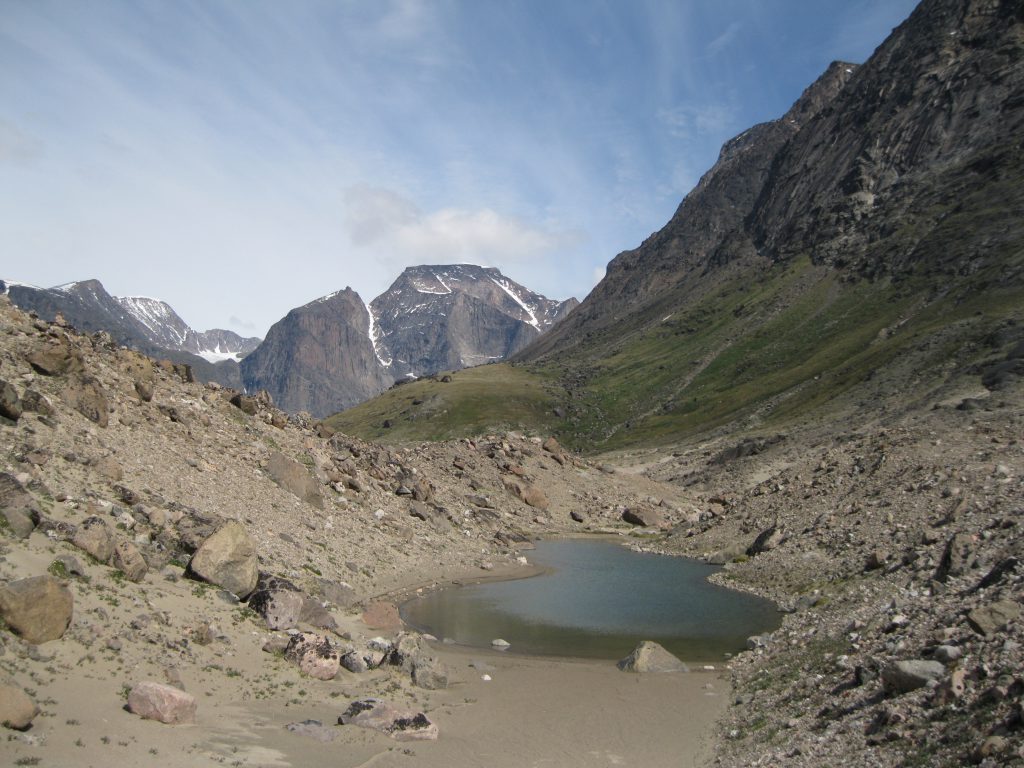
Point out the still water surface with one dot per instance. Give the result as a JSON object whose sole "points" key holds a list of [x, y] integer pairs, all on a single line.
{"points": [[599, 600]]}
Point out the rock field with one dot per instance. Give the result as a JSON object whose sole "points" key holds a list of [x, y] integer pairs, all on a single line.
{"points": [[172, 551]]}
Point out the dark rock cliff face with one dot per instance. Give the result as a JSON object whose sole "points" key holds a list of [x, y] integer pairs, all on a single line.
{"points": [[319, 357], [336, 352], [706, 231], [876, 170]]}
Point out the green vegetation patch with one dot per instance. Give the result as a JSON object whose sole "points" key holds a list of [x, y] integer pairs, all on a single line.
{"points": [[474, 401]]}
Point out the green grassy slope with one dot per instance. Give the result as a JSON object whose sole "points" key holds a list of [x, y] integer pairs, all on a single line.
{"points": [[764, 353]]}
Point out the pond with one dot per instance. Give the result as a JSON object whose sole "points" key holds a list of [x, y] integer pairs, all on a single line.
{"points": [[598, 600]]}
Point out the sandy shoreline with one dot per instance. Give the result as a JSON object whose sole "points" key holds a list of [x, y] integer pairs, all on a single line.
{"points": [[533, 711], [540, 712]]}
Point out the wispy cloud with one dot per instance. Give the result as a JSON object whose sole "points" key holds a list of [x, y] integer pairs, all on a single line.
{"points": [[17, 146], [190, 149], [725, 39]]}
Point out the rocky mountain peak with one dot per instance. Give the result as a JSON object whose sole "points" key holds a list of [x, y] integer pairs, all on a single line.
{"points": [[449, 316], [337, 351]]}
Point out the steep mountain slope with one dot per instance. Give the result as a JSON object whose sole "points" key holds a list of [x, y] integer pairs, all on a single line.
{"points": [[148, 325], [170, 331], [336, 352], [318, 357], [863, 253]]}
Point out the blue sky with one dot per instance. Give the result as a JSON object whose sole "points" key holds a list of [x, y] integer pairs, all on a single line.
{"points": [[238, 158]]}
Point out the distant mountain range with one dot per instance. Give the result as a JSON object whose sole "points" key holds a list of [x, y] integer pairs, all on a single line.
{"points": [[335, 351], [149, 325]]}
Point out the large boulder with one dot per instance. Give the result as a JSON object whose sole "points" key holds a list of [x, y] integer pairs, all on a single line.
{"points": [[10, 403], [86, 395], [156, 701], [17, 710], [339, 593], [649, 656], [429, 673], [38, 608], [988, 619], [17, 507], [315, 655], [278, 601], [957, 558], [94, 537], [294, 478], [648, 518], [56, 360], [767, 540], [380, 715], [227, 559]]}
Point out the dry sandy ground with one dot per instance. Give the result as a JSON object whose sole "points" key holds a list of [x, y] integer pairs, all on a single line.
{"points": [[532, 712]]}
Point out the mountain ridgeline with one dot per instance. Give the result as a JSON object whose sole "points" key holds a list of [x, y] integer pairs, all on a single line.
{"points": [[148, 325], [337, 351], [864, 252]]}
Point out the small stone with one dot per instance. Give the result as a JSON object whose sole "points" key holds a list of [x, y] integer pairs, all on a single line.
{"points": [[988, 619], [130, 561], [401, 725], [17, 710], [500, 644], [948, 653], [312, 729], [649, 656], [165, 703], [909, 675]]}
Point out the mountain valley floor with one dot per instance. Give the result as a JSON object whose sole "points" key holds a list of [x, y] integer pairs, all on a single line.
{"points": [[141, 505]]}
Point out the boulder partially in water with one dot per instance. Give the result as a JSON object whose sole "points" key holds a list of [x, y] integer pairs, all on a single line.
{"points": [[648, 656]]}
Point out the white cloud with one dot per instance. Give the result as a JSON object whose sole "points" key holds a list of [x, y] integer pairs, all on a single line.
{"points": [[724, 39], [394, 227]]}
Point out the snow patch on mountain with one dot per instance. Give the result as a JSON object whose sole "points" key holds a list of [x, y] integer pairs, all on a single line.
{"points": [[515, 297], [374, 331], [156, 315]]}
